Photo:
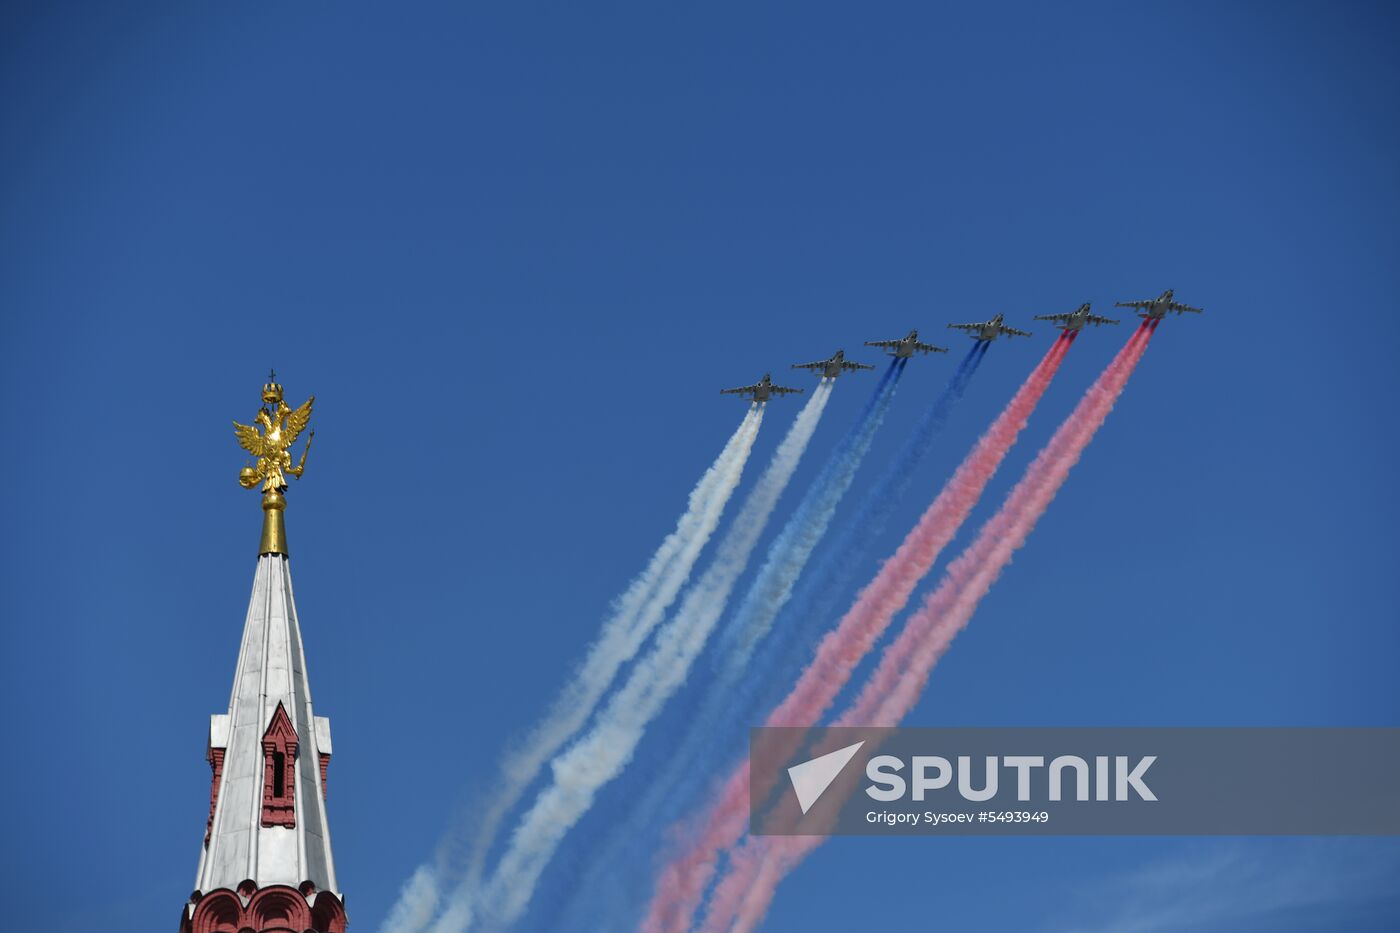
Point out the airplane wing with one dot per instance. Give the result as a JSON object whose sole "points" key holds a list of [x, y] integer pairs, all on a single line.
{"points": [[784, 390], [740, 390], [970, 328], [883, 344], [1096, 319], [1178, 308], [1057, 318], [1014, 332], [820, 364], [852, 367], [929, 348], [1140, 305]]}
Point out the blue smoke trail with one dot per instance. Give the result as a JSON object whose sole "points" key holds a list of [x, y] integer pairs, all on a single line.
{"points": [[790, 551], [810, 609], [730, 702]]}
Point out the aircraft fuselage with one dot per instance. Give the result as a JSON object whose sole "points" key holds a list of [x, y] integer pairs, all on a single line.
{"points": [[833, 367], [990, 330], [1076, 321], [905, 349], [1160, 306]]}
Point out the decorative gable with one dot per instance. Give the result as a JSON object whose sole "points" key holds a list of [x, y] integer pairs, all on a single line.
{"points": [[279, 744]]}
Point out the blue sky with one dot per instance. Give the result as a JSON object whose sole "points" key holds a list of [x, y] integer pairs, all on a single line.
{"points": [[515, 251]]}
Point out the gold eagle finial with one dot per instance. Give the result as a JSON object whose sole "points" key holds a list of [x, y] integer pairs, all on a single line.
{"points": [[281, 425]]}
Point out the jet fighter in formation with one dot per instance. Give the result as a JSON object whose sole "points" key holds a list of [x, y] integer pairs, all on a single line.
{"points": [[760, 391], [1072, 322], [990, 330], [904, 347], [833, 366], [1154, 309]]}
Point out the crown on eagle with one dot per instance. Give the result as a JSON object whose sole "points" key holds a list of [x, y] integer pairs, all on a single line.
{"points": [[272, 391]]}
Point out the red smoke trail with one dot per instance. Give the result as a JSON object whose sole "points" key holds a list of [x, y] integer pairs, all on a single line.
{"points": [[682, 883], [743, 896]]}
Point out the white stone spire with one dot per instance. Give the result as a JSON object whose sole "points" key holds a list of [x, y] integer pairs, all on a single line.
{"points": [[266, 864], [249, 838], [266, 861]]}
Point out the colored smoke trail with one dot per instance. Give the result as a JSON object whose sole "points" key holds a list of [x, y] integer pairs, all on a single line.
{"points": [[682, 883], [819, 589], [416, 905], [601, 753], [793, 547], [743, 896], [805, 617], [903, 672], [766, 596], [634, 615]]}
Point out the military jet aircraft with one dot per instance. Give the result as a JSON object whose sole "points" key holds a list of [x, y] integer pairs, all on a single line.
{"points": [[904, 347], [1073, 322], [833, 367], [760, 391], [988, 330], [1154, 309]]}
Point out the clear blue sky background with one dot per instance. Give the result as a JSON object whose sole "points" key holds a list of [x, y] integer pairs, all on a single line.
{"points": [[516, 250]]}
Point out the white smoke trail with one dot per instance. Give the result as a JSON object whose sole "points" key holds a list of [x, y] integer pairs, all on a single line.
{"points": [[788, 556], [456, 918], [601, 753], [633, 617], [417, 902]]}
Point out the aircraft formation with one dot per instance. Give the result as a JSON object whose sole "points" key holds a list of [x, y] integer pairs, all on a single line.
{"points": [[1071, 322], [785, 649]]}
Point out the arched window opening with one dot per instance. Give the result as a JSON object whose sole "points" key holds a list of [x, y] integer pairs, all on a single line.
{"points": [[279, 774]]}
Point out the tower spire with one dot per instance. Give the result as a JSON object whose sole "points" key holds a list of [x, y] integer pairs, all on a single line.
{"points": [[266, 864]]}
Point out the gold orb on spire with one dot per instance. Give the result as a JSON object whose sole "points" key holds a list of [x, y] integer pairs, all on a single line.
{"points": [[281, 425]]}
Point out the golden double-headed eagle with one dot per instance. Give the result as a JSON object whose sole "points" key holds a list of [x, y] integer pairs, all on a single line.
{"points": [[281, 425]]}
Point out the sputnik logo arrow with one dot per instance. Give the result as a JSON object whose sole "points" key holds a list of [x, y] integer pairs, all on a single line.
{"points": [[811, 778]]}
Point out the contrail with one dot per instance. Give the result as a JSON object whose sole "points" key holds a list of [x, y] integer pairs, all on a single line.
{"points": [[417, 902], [793, 547], [752, 621], [682, 883], [742, 897], [634, 615], [803, 618], [842, 556], [600, 754]]}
